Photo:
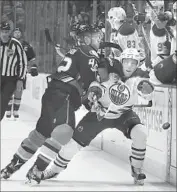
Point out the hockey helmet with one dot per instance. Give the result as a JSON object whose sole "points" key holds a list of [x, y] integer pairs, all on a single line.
{"points": [[85, 28], [131, 53], [116, 15]]}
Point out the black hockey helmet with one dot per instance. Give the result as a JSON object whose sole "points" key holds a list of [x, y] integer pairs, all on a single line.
{"points": [[85, 28]]}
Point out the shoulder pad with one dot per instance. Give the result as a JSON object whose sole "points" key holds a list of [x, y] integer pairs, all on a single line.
{"points": [[87, 50], [127, 29], [158, 32], [140, 73]]}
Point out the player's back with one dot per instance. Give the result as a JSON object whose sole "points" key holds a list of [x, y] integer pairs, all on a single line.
{"points": [[78, 64], [126, 37], [88, 60], [157, 40]]}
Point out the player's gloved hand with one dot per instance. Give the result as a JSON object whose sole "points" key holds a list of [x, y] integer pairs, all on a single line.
{"points": [[145, 87], [94, 92], [96, 107], [34, 70], [139, 18]]}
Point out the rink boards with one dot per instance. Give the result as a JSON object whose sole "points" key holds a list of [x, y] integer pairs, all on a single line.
{"points": [[161, 149]]}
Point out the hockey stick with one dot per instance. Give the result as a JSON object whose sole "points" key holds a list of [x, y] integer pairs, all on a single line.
{"points": [[101, 117], [49, 39], [111, 45], [141, 29], [145, 105], [155, 13]]}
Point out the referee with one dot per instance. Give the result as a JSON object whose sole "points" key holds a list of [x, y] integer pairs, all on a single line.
{"points": [[13, 66]]}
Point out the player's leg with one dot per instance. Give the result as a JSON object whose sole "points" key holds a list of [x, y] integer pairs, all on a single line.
{"points": [[60, 136], [17, 102], [7, 88], [36, 137], [131, 126], [138, 135], [87, 129], [9, 107]]}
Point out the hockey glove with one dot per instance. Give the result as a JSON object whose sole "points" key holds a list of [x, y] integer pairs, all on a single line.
{"points": [[145, 89], [94, 92], [139, 18], [34, 70]]}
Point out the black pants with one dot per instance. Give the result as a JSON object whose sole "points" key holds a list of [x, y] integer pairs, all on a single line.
{"points": [[8, 86], [89, 127], [56, 109]]}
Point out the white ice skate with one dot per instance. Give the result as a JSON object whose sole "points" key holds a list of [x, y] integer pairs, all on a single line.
{"points": [[137, 174]]}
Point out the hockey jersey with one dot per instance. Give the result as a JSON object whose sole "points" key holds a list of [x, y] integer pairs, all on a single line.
{"points": [[119, 96], [173, 41], [159, 49], [79, 64], [28, 50], [126, 37]]}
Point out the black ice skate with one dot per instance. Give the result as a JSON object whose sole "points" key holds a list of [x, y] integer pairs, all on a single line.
{"points": [[15, 114], [34, 175], [8, 114], [138, 175], [12, 167]]}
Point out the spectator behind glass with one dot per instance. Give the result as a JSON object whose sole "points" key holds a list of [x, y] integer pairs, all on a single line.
{"points": [[5, 18]]}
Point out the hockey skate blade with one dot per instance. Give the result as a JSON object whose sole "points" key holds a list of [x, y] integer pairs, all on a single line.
{"points": [[139, 182], [31, 182]]}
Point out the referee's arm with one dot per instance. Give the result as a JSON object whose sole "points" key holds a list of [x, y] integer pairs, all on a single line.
{"points": [[22, 61]]}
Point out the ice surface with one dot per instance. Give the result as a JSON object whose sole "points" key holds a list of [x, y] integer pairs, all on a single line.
{"points": [[90, 170]]}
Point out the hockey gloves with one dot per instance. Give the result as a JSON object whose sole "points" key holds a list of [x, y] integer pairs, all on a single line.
{"points": [[34, 70], [145, 89]]}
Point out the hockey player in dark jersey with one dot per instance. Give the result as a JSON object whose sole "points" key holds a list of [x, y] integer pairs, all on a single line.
{"points": [[112, 104], [61, 99], [14, 104]]}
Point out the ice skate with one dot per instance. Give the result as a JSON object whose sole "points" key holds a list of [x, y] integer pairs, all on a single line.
{"points": [[8, 114], [49, 173], [137, 174], [34, 175], [11, 168], [15, 114]]}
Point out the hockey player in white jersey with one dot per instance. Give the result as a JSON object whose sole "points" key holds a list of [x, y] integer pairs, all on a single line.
{"points": [[164, 53], [123, 33], [112, 104], [173, 28]]}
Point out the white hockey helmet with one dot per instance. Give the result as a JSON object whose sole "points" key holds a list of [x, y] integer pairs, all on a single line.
{"points": [[174, 10], [116, 15], [131, 53]]}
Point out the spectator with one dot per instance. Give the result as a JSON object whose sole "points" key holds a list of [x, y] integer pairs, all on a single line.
{"points": [[5, 18]]}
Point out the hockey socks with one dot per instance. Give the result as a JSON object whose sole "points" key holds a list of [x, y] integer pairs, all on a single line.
{"points": [[137, 157]]}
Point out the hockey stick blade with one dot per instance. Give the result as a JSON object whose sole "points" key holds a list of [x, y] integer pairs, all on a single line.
{"points": [[148, 105], [111, 45], [47, 35], [49, 39]]}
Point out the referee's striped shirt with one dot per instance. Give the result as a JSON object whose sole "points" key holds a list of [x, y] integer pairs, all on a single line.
{"points": [[13, 59]]}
